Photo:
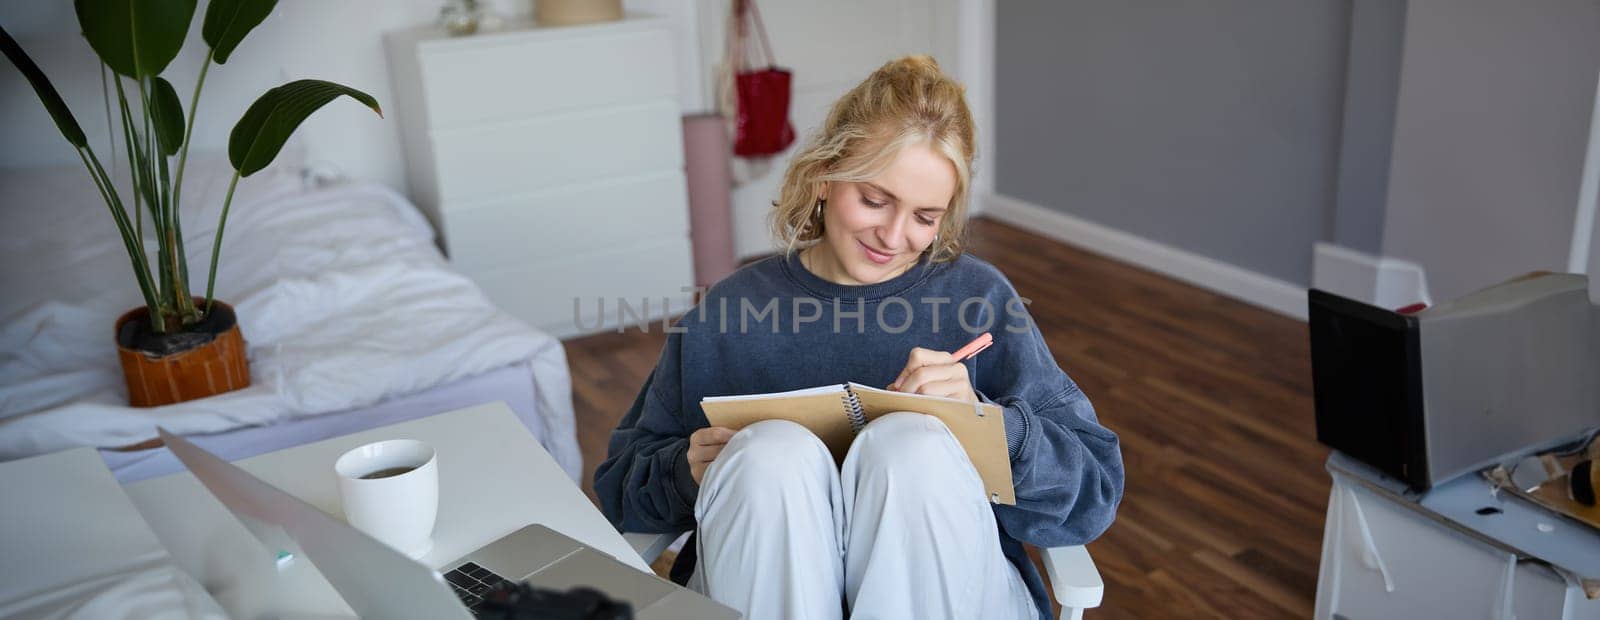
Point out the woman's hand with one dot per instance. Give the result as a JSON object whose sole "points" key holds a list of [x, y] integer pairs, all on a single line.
{"points": [[935, 373], [704, 446]]}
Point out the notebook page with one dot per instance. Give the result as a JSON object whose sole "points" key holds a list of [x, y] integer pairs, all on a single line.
{"points": [[978, 427], [821, 389], [860, 389], [821, 410]]}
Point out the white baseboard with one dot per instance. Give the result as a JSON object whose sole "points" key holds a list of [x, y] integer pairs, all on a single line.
{"points": [[1248, 286], [1384, 282]]}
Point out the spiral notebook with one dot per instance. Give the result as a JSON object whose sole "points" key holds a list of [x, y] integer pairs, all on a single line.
{"points": [[835, 413]]}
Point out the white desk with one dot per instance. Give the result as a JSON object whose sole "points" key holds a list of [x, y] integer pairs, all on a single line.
{"points": [[1390, 553], [494, 478]]}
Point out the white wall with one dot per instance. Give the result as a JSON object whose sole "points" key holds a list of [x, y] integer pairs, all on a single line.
{"points": [[340, 41], [831, 45]]}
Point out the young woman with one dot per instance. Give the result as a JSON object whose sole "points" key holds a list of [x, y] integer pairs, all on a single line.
{"points": [[871, 287]]}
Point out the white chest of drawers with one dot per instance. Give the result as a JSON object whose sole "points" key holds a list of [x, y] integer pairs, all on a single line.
{"points": [[550, 160]]}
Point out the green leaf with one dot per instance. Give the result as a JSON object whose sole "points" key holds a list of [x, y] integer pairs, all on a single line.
{"points": [[269, 122], [227, 21], [136, 38], [53, 103], [167, 112]]}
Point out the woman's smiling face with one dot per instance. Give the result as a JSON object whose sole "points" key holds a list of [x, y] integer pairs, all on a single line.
{"points": [[875, 230]]}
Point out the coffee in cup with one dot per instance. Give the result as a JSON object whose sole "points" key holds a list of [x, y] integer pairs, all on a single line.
{"points": [[387, 473], [390, 491]]}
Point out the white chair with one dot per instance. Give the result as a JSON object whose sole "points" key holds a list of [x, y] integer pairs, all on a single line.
{"points": [[1074, 580]]}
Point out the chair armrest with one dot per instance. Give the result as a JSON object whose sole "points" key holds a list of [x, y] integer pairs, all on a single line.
{"points": [[650, 546], [1073, 577]]}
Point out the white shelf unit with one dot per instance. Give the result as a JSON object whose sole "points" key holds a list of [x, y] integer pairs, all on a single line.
{"points": [[550, 160]]}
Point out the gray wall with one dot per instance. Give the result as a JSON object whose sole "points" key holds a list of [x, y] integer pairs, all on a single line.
{"points": [[1489, 137], [1209, 126], [1372, 86]]}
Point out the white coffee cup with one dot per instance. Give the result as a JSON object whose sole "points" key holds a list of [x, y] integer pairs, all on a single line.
{"points": [[390, 490]]}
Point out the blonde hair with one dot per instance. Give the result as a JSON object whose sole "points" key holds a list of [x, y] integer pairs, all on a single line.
{"points": [[907, 101]]}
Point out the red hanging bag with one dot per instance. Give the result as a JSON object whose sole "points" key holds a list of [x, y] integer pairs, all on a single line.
{"points": [[762, 125]]}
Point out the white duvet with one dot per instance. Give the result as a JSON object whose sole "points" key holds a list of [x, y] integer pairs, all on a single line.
{"points": [[342, 297]]}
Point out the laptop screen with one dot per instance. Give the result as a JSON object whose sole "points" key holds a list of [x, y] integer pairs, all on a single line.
{"points": [[376, 581]]}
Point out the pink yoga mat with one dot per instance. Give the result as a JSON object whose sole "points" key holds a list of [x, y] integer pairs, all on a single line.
{"points": [[705, 145]]}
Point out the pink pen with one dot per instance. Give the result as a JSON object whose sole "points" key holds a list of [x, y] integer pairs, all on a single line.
{"points": [[970, 349], [978, 344]]}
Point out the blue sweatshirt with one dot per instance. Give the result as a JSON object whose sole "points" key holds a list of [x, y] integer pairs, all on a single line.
{"points": [[775, 326]]}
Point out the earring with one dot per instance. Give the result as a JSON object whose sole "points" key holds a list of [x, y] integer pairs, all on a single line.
{"points": [[816, 215]]}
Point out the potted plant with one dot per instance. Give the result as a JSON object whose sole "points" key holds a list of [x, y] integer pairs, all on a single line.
{"points": [[179, 346]]}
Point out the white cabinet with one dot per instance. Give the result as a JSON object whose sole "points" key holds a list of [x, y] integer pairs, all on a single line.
{"points": [[550, 160]]}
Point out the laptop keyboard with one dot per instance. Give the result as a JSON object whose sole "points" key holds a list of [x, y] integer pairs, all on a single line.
{"points": [[470, 582]]}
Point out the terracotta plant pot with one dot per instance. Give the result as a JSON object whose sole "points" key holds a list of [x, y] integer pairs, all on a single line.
{"points": [[212, 368]]}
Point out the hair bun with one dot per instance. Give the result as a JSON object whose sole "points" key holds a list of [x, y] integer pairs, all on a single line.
{"points": [[919, 63]]}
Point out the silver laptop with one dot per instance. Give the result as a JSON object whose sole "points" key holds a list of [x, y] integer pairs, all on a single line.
{"points": [[379, 582]]}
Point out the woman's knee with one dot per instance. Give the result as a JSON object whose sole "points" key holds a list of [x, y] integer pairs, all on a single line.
{"points": [[907, 441], [771, 454], [776, 434]]}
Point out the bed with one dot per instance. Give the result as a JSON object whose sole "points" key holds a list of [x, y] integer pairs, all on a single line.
{"points": [[352, 316]]}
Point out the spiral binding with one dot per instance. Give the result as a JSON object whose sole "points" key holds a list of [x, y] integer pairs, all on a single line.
{"points": [[852, 410]]}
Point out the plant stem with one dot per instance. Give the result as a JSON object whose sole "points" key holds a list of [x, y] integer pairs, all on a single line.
{"points": [[177, 186], [105, 96], [120, 215], [183, 255], [128, 143], [138, 221], [141, 268], [188, 129], [180, 286], [158, 201], [216, 246], [143, 192], [147, 160], [147, 157]]}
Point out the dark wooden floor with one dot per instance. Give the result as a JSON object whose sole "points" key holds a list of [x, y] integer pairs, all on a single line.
{"points": [[1212, 398]]}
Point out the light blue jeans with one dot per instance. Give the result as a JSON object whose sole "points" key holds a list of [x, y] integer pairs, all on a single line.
{"points": [[903, 530]]}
